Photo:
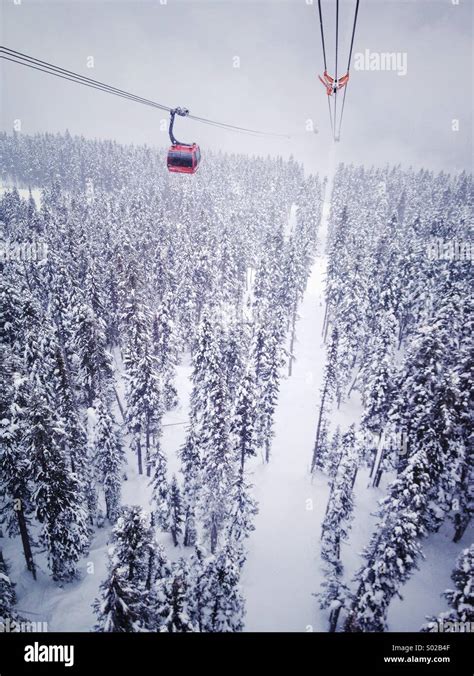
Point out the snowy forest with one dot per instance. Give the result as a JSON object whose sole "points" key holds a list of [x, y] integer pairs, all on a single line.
{"points": [[234, 401]]}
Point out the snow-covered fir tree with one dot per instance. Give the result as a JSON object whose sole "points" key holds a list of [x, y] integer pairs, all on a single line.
{"points": [[16, 472], [144, 404], [222, 605], [190, 467], [335, 528], [335, 595], [89, 344], [175, 509], [268, 363], [160, 489], [7, 592], [122, 605], [244, 435], [320, 451], [172, 593], [58, 499], [210, 411], [340, 504], [109, 459], [460, 617]]}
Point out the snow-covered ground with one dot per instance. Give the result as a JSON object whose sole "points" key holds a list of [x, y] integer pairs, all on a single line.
{"points": [[283, 569], [24, 193]]}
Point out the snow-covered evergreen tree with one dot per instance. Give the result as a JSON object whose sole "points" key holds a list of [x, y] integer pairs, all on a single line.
{"points": [[335, 595], [175, 508], [340, 504], [222, 604], [125, 593], [109, 459], [334, 454], [211, 415], [7, 592], [144, 404], [245, 443], [89, 344], [190, 467], [58, 499], [160, 489], [16, 472], [394, 549], [121, 606], [460, 599], [172, 593], [268, 363], [321, 449], [165, 349]]}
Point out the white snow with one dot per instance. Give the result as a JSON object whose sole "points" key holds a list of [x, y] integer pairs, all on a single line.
{"points": [[24, 193], [283, 568], [290, 227], [281, 571]]}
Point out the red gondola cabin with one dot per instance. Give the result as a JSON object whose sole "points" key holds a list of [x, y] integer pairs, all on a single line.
{"points": [[184, 159]]}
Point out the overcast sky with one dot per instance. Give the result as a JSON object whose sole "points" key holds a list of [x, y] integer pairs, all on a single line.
{"points": [[183, 53]]}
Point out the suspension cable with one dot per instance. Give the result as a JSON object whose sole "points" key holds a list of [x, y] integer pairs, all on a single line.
{"points": [[342, 112], [71, 79], [51, 69], [322, 34], [337, 36], [348, 66], [353, 33], [335, 127], [330, 115]]}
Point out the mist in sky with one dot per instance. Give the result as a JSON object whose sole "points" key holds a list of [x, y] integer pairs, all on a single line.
{"points": [[253, 64]]}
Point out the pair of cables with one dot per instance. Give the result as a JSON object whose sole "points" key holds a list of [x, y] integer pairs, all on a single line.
{"points": [[51, 69], [334, 85]]}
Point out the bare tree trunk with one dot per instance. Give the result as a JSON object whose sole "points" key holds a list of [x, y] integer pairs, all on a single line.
{"points": [[189, 529], [333, 619], [186, 532], [460, 526], [120, 405], [139, 455], [325, 320], [147, 451], [326, 330], [151, 564], [375, 456], [267, 449], [292, 342], [376, 470], [353, 382], [174, 535], [463, 517], [318, 428], [213, 536], [400, 333], [25, 539], [377, 478]]}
